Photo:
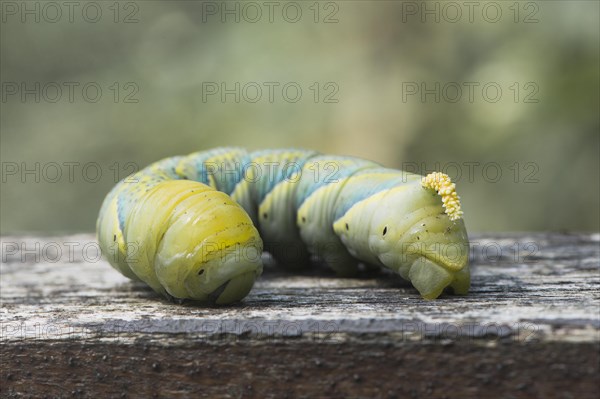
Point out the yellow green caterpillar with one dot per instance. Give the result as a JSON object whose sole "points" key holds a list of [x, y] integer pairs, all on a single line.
{"points": [[194, 227]]}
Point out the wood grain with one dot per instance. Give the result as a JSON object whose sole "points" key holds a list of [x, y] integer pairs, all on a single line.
{"points": [[530, 327]]}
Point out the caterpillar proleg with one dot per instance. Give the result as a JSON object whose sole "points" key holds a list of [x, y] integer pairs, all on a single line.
{"points": [[193, 227]]}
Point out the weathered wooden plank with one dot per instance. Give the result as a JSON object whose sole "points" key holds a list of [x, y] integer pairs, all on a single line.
{"points": [[529, 327]]}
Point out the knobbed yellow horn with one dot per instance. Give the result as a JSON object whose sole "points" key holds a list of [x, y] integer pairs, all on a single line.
{"points": [[442, 184]]}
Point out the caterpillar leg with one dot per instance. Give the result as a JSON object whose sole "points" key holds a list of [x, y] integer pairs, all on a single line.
{"points": [[430, 279]]}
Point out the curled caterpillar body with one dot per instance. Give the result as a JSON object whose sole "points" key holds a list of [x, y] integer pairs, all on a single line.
{"points": [[192, 227]]}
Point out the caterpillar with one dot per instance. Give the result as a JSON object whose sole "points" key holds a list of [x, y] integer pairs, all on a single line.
{"points": [[194, 227]]}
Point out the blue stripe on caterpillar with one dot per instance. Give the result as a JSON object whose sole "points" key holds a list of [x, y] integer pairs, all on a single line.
{"points": [[194, 227]]}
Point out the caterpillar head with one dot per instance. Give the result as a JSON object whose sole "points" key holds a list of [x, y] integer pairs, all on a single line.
{"points": [[415, 229], [193, 242]]}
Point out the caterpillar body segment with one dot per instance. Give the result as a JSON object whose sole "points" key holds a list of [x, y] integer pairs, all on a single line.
{"points": [[276, 174], [193, 227], [318, 192]]}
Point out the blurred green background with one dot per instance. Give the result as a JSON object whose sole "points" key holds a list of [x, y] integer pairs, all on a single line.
{"points": [[525, 159]]}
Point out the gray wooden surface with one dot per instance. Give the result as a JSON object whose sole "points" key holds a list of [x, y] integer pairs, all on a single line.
{"points": [[73, 326]]}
